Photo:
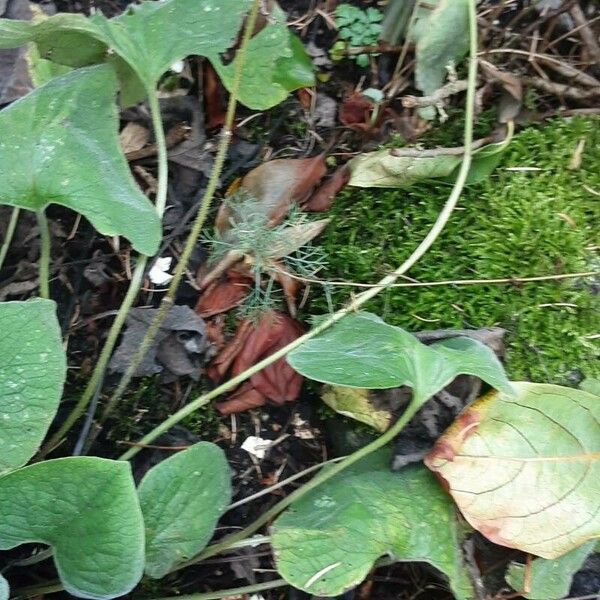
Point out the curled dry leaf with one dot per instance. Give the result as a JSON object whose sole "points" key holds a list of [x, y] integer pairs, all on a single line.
{"points": [[223, 294], [322, 198], [278, 382], [276, 185]]}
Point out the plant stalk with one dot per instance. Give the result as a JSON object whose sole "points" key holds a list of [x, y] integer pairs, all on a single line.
{"points": [[192, 238], [44, 254], [388, 436], [233, 592], [10, 231], [133, 290]]}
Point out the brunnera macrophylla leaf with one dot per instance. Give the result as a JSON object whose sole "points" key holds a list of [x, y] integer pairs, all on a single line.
{"points": [[88, 511], [548, 578], [362, 351], [327, 542], [275, 64], [182, 499], [59, 145], [525, 470], [32, 374], [151, 36]]}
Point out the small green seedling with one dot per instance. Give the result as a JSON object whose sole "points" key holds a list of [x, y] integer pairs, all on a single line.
{"points": [[357, 28]]}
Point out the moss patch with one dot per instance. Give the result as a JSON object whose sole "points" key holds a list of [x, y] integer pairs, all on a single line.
{"points": [[516, 224]]}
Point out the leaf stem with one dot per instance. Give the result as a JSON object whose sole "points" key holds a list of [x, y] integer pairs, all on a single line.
{"points": [[44, 266], [362, 298], [204, 207], [161, 148], [137, 279], [233, 592], [10, 231]]}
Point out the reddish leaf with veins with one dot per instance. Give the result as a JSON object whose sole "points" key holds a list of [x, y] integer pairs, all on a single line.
{"points": [[322, 198], [223, 294]]}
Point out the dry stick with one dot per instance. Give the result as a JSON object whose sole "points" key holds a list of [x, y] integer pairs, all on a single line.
{"points": [[135, 285], [413, 407], [562, 89], [10, 231], [167, 300]]}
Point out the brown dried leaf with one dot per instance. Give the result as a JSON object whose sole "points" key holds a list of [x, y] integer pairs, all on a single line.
{"points": [[223, 294], [322, 198], [133, 137], [294, 237]]}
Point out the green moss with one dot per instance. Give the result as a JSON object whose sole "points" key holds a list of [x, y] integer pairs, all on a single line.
{"points": [[515, 224]]}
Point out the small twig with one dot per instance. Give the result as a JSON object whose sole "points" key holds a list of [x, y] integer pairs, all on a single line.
{"points": [[382, 48], [580, 27], [585, 31], [433, 152], [562, 89], [454, 87], [10, 231]]}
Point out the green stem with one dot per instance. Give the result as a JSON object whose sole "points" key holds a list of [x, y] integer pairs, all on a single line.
{"points": [[44, 254], [132, 292], [426, 243], [135, 285], [317, 480], [192, 238], [10, 231], [233, 592]]}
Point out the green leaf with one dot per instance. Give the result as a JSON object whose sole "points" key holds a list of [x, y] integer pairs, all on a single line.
{"points": [[442, 40], [59, 145], [364, 352], [151, 36], [525, 470], [374, 15], [362, 60], [182, 499], [382, 169], [87, 510], [549, 579], [4, 589], [356, 404], [275, 64], [591, 385], [327, 542], [32, 374]]}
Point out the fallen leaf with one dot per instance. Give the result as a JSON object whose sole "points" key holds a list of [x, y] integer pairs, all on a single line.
{"points": [[133, 137], [221, 363], [179, 348], [355, 110], [223, 294], [322, 198], [294, 237], [524, 470], [276, 185], [290, 286], [277, 382]]}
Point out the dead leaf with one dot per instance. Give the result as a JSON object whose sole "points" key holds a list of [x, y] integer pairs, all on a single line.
{"points": [[179, 348], [133, 137], [294, 237], [277, 382], [221, 363], [512, 98], [356, 111], [290, 286], [276, 185], [322, 198], [223, 294]]}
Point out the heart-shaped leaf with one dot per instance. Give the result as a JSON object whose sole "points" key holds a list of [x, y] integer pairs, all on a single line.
{"points": [[59, 145], [327, 542], [32, 374], [364, 352], [275, 64], [548, 578], [182, 499], [525, 470], [87, 510], [151, 36]]}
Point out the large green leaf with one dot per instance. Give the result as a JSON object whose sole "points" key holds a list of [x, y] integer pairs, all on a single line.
{"points": [[525, 470], [59, 145], [151, 36], [328, 541], [548, 579], [87, 510], [275, 64], [364, 352], [32, 374], [182, 499]]}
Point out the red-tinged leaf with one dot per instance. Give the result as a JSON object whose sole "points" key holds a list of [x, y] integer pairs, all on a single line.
{"points": [[290, 286], [215, 333], [223, 360], [223, 294], [214, 98], [322, 198], [276, 185], [355, 110], [245, 398]]}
